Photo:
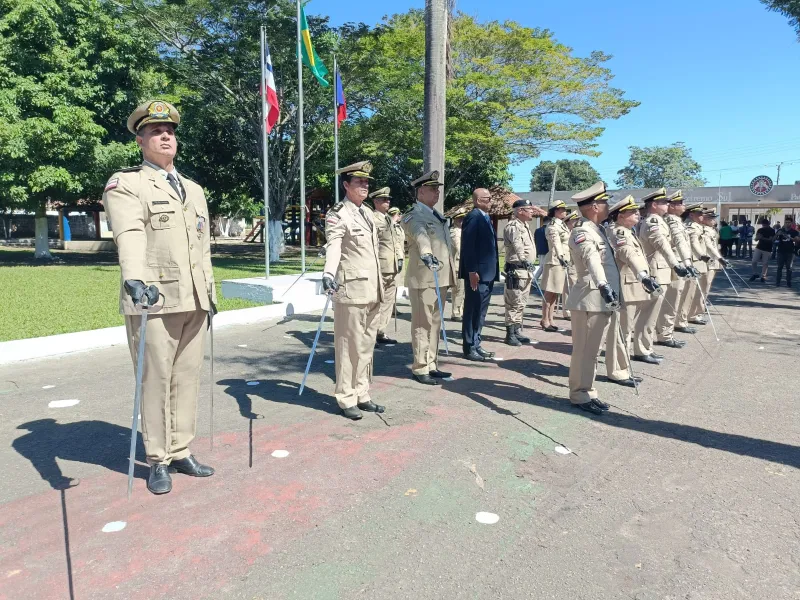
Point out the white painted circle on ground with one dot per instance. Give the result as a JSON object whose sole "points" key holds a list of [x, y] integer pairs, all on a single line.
{"points": [[48, 387], [114, 526], [280, 453], [62, 403], [242, 346], [487, 518], [498, 358], [329, 362], [563, 450], [761, 347], [253, 383], [288, 337]]}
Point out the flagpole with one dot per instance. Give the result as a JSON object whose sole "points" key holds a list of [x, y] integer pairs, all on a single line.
{"points": [[302, 146], [265, 147], [335, 128]]}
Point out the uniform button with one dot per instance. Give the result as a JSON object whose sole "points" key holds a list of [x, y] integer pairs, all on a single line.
{"points": [[161, 276], [191, 246], [185, 208], [194, 265]]}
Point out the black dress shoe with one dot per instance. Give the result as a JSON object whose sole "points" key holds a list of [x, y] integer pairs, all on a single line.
{"points": [[551, 328], [190, 466], [426, 379], [371, 407], [159, 481], [590, 407], [473, 355], [657, 356], [484, 353], [646, 358], [456, 319], [383, 339], [671, 343], [624, 382], [686, 329], [439, 374], [600, 404], [352, 413]]}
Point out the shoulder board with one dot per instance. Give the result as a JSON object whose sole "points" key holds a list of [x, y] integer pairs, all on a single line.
{"points": [[621, 231], [652, 220], [337, 207], [132, 169]]}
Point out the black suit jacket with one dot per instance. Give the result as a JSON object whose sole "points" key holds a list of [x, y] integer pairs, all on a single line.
{"points": [[478, 248]]}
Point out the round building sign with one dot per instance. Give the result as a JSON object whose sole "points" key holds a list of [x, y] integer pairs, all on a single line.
{"points": [[761, 185]]}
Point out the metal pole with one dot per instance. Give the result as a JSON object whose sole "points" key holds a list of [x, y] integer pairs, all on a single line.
{"points": [[708, 312], [624, 341], [213, 382], [301, 146], [265, 147], [137, 398], [335, 129], [435, 95], [314, 345], [724, 270]]}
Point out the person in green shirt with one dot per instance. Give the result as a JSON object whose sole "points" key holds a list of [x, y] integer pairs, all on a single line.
{"points": [[726, 236]]}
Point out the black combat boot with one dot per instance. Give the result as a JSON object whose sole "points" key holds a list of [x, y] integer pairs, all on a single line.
{"points": [[511, 336], [518, 332]]}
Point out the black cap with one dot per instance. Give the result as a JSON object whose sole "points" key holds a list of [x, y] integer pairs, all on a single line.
{"points": [[522, 203]]}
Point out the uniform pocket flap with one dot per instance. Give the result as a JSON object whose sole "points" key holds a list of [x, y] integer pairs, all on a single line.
{"points": [[156, 275], [353, 274]]}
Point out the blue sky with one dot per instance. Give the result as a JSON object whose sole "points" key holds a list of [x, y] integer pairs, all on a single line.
{"points": [[715, 74]]}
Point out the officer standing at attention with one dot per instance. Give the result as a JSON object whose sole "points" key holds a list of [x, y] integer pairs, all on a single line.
{"points": [[594, 297], [457, 292], [679, 237], [636, 285], [571, 276], [429, 249], [394, 213], [390, 257], [520, 256], [556, 261], [161, 228], [654, 235], [352, 275], [693, 217]]}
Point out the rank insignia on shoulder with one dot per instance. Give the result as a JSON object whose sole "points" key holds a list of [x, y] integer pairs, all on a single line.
{"points": [[336, 207], [652, 220], [580, 238], [112, 183], [332, 217]]}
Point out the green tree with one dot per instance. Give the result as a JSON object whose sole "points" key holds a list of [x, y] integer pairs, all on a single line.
{"points": [[69, 74], [572, 175], [788, 8], [661, 166]]}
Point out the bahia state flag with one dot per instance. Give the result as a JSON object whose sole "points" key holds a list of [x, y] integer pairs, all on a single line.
{"points": [[273, 108], [310, 57]]}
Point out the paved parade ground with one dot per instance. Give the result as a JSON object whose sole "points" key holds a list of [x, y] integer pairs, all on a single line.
{"points": [[688, 491]]}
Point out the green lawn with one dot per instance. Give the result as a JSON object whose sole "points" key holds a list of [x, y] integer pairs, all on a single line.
{"points": [[81, 292]]}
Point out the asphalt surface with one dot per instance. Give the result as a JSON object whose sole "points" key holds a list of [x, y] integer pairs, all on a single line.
{"points": [[687, 491]]}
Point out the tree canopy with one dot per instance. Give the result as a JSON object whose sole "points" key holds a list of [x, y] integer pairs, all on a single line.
{"points": [[661, 166], [788, 8], [572, 175]]}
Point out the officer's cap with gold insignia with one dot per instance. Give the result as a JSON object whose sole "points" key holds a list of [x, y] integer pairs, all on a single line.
{"points": [[676, 197], [394, 211], [695, 208], [624, 205], [155, 111], [384, 193], [554, 205], [522, 203], [572, 216], [429, 179], [710, 213], [596, 193], [461, 212], [658, 195], [359, 169]]}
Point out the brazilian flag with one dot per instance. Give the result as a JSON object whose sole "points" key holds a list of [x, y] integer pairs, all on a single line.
{"points": [[310, 57]]}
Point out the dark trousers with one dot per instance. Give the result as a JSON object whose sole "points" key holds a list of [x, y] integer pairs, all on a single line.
{"points": [[476, 304], [785, 259]]}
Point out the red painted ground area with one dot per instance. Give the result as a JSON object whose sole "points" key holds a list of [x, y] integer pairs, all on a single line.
{"points": [[206, 531]]}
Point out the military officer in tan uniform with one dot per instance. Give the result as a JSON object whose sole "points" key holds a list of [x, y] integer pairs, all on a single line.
{"points": [[429, 249], [654, 235], [693, 218], [594, 297], [390, 255], [556, 261], [457, 291], [520, 256], [636, 287], [570, 276], [352, 275], [665, 325], [714, 262], [162, 231]]}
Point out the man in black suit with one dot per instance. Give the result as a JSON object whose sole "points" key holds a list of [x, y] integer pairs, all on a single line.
{"points": [[479, 268]]}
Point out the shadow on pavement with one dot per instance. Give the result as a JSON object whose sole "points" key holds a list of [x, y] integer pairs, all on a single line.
{"points": [[276, 391], [479, 389], [540, 370]]}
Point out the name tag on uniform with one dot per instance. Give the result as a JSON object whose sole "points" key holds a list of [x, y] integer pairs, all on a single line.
{"points": [[201, 224], [155, 202]]}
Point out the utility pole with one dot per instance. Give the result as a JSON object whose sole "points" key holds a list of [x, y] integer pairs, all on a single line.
{"points": [[778, 179], [433, 129]]}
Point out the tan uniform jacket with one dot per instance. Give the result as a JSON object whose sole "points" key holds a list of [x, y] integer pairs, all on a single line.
{"points": [[594, 263], [630, 259], [711, 238], [427, 235], [455, 242], [656, 242], [518, 244], [697, 244], [680, 240], [390, 247], [352, 254], [400, 236], [557, 236], [161, 240]]}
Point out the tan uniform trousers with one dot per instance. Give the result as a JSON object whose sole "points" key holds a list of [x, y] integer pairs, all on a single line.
{"points": [[617, 366], [354, 329], [587, 337], [665, 326], [516, 301], [458, 299], [644, 329], [705, 280], [389, 300], [686, 303], [173, 357], [426, 326]]}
